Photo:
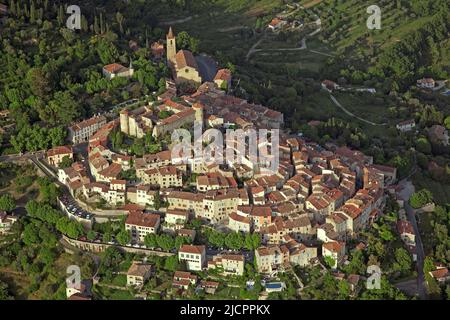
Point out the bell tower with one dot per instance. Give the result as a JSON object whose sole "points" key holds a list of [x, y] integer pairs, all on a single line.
{"points": [[171, 46]]}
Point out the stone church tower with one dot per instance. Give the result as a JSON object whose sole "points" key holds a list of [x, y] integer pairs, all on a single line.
{"points": [[124, 121], [171, 46]]}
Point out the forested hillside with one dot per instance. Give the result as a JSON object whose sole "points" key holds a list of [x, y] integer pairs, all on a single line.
{"points": [[52, 76]]}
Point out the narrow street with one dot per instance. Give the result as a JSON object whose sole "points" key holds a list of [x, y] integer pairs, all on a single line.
{"points": [[405, 194]]}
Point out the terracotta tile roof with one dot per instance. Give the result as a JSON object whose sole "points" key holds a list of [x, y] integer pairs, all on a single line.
{"points": [[237, 217], [406, 123], [174, 105], [139, 269], [275, 22], [177, 116], [318, 202], [121, 182], [115, 68], [168, 170], [439, 273], [186, 233], [112, 171], [185, 58], [181, 283], [139, 218], [333, 246], [177, 212], [59, 150], [117, 157], [186, 196], [192, 249], [236, 257], [184, 275], [216, 179], [87, 123], [351, 210], [384, 168], [405, 227], [223, 74]]}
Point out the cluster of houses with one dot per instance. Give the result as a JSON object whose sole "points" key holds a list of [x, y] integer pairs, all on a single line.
{"points": [[316, 201]]}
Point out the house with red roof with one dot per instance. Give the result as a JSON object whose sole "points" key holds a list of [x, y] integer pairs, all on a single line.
{"points": [[335, 250], [406, 231], [441, 275], [141, 224], [113, 70], [223, 79], [276, 24], [56, 155]]}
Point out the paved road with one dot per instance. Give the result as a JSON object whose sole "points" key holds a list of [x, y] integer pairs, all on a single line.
{"points": [[409, 287], [405, 194], [18, 156]]}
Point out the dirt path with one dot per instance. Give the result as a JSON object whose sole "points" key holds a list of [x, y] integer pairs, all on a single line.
{"points": [[311, 4], [322, 53], [353, 115], [253, 48], [232, 28], [177, 21], [302, 47]]}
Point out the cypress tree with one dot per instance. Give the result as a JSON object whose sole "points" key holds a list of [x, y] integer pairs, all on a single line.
{"points": [[60, 17], [26, 13], [32, 12], [96, 26], [12, 7], [102, 25], [84, 24], [18, 11]]}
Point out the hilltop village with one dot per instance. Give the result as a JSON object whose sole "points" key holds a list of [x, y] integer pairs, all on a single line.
{"points": [[311, 211], [319, 200]]}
